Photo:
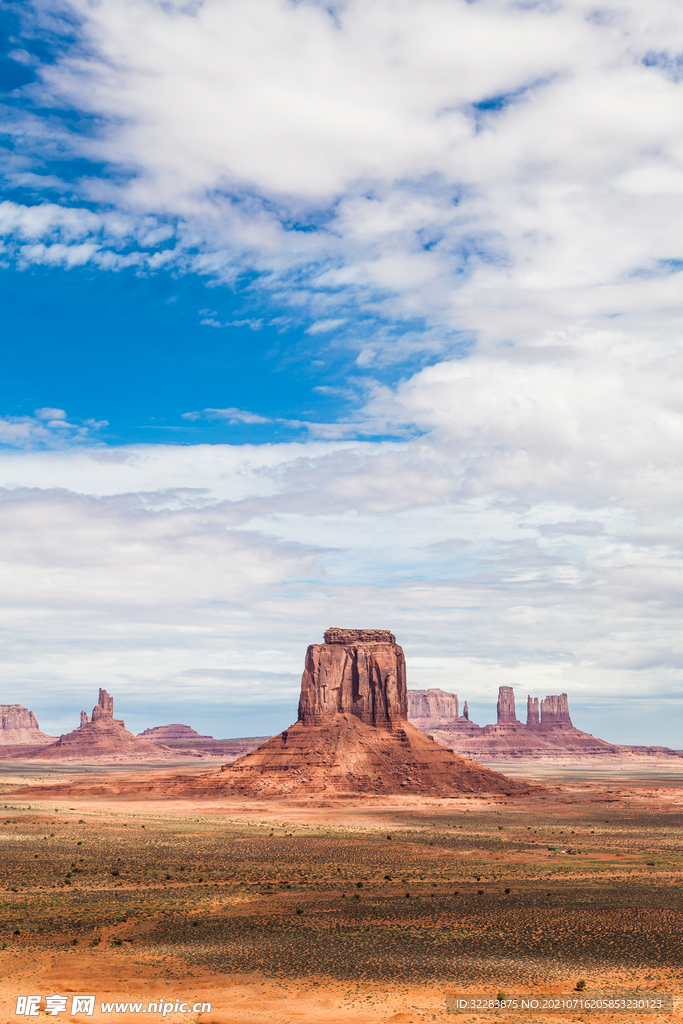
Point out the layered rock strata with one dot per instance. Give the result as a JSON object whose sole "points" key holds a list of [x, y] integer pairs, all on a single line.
{"points": [[18, 725], [353, 735]]}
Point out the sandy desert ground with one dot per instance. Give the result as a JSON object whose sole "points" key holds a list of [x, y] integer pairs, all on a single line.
{"points": [[342, 910]]}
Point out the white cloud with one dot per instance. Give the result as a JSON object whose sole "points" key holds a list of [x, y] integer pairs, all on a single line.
{"points": [[48, 428], [252, 324], [323, 326], [492, 168], [230, 415], [156, 569], [50, 414]]}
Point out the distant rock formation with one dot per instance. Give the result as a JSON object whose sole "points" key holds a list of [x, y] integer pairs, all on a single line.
{"points": [[549, 733], [172, 734], [432, 705], [103, 709], [18, 725], [505, 709], [555, 712], [100, 735], [353, 734], [430, 709], [532, 719]]}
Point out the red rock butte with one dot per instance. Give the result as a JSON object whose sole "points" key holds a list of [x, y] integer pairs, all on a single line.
{"points": [[353, 735], [99, 735]]}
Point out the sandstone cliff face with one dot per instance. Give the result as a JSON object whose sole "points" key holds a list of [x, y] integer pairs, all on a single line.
{"points": [[353, 736], [433, 709], [18, 725], [356, 671]]}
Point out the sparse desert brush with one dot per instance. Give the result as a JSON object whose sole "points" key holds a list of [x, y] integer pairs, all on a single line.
{"points": [[225, 895]]}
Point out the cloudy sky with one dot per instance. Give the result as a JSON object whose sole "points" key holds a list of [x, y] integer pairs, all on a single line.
{"points": [[361, 314]]}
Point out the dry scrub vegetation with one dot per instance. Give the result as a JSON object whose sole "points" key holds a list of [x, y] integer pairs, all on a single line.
{"points": [[448, 894]]}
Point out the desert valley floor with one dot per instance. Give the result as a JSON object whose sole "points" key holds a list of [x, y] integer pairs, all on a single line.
{"points": [[344, 910]]}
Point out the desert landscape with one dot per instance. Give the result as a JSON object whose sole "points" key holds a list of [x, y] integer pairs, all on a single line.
{"points": [[341, 548], [350, 868], [370, 909]]}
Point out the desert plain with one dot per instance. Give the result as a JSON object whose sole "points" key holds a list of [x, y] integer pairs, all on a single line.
{"points": [[365, 909]]}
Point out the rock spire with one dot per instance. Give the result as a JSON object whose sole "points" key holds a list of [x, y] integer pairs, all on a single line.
{"points": [[506, 705], [532, 719], [104, 707]]}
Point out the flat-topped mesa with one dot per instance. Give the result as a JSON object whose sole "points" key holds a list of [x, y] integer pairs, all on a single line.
{"points": [[505, 708], [16, 716], [175, 733], [532, 719], [431, 704], [356, 671], [18, 725], [555, 712]]}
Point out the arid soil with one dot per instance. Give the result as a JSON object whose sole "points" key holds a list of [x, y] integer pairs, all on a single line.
{"points": [[356, 910]]}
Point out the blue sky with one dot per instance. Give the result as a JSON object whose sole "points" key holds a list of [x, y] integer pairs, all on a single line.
{"points": [[136, 351], [353, 314]]}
